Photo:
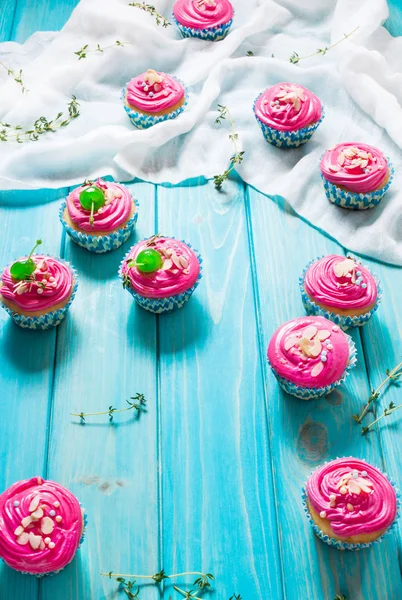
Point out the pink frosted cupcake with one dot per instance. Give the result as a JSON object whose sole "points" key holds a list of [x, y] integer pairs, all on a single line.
{"points": [[99, 215], [42, 526], [161, 273], [355, 175], [205, 19], [288, 114], [310, 356], [340, 289], [153, 97], [349, 503], [37, 290]]}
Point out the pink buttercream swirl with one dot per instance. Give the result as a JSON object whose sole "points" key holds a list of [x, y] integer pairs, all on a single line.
{"points": [[114, 213], [202, 14], [51, 284], [340, 282], [309, 351], [179, 271], [288, 107], [355, 497], [41, 524], [358, 167], [153, 92]]}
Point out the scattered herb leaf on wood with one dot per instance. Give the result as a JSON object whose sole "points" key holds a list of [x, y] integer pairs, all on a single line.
{"points": [[387, 411], [128, 583], [136, 402], [392, 377]]}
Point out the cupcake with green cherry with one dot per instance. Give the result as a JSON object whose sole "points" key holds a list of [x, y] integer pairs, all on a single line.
{"points": [[204, 19], [153, 97], [37, 290], [99, 215], [161, 273]]}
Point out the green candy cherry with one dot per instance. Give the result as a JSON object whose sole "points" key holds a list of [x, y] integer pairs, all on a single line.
{"points": [[148, 261], [23, 269], [92, 196]]}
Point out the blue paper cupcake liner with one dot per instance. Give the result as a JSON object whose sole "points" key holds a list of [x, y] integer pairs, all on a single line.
{"points": [[305, 393], [51, 573], [50, 319], [100, 243], [212, 34], [352, 200], [287, 139], [162, 305], [344, 321], [345, 545], [144, 121]]}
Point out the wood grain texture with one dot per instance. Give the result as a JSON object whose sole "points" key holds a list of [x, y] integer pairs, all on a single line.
{"points": [[218, 494], [306, 434], [210, 477]]}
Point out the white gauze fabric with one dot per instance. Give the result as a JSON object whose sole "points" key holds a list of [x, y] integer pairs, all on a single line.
{"points": [[359, 83]]}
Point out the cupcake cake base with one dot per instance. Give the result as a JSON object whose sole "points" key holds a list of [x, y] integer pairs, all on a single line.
{"points": [[288, 139], [212, 34]]}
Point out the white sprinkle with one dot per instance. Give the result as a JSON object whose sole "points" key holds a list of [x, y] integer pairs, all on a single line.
{"points": [[16, 503], [332, 497], [350, 507], [52, 545], [47, 540], [39, 291], [364, 473], [344, 490], [335, 328], [56, 504], [323, 514], [59, 519]]}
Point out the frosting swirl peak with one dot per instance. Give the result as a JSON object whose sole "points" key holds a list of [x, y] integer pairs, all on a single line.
{"points": [[116, 211], [50, 284], [355, 497], [310, 352], [338, 282], [202, 14], [179, 271], [288, 107], [154, 92], [358, 167], [41, 525]]}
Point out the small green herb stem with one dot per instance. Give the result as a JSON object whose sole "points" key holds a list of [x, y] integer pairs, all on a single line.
{"points": [[186, 594], [17, 78], [38, 243], [345, 37], [233, 138], [91, 218], [375, 394], [387, 412], [106, 412], [129, 575]]}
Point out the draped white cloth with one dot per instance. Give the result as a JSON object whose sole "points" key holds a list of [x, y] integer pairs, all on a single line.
{"points": [[359, 83]]}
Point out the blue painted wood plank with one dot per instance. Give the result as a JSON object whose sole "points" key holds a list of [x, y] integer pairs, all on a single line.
{"points": [[383, 350], [394, 21], [106, 353], [218, 493], [25, 375], [7, 13], [46, 15], [305, 434]]}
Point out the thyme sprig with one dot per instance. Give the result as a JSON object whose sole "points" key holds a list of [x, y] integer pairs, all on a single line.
{"points": [[392, 377], [128, 583], [237, 158], [160, 19], [295, 58], [340, 597], [387, 411], [41, 126], [16, 75], [138, 404], [82, 53]]}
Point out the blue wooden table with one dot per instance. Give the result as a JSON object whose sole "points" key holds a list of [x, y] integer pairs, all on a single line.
{"points": [[209, 478]]}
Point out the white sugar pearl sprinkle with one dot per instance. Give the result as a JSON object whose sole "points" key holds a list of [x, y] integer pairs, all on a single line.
{"points": [[323, 514]]}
